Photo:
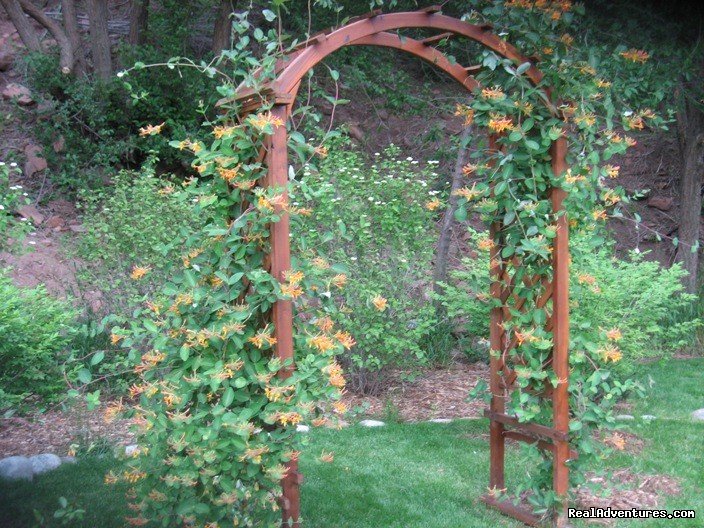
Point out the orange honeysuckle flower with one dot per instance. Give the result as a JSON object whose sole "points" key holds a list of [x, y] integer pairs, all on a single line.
{"points": [[636, 55], [380, 303], [151, 130], [139, 271]]}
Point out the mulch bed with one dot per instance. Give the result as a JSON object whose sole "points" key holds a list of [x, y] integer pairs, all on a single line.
{"points": [[440, 393], [54, 431], [627, 490]]}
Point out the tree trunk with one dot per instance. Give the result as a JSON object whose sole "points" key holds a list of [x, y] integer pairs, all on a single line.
{"points": [[139, 20], [68, 8], [692, 129], [222, 34], [22, 25], [99, 39], [65, 47], [443, 250]]}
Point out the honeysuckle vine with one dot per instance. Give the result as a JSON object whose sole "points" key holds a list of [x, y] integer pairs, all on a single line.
{"points": [[216, 420]]}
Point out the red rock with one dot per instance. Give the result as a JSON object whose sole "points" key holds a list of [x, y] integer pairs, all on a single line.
{"points": [[6, 59], [31, 213], [663, 203], [355, 132], [21, 94], [55, 222], [35, 161], [60, 144]]}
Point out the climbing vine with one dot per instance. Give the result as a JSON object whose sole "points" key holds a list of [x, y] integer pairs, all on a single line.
{"points": [[217, 420]]}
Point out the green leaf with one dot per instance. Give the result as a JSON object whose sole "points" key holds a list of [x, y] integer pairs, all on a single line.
{"points": [[97, 357], [227, 397], [523, 68], [269, 15], [84, 375]]}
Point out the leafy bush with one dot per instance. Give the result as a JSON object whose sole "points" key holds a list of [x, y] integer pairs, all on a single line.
{"points": [[628, 302], [135, 230], [371, 219], [12, 197], [34, 332], [100, 121]]}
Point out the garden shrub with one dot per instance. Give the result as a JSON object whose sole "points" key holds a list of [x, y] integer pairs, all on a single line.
{"points": [[12, 197], [100, 121], [217, 414], [35, 330], [370, 217], [135, 231], [630, 299]]}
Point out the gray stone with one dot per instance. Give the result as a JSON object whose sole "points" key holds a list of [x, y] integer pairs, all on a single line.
{"points": [[648, 417], [68, 460], [371, 423], [698, 415], [132, 450], [441, 420], [302, 428], [43, 463], [16, 468], [625, 417]]}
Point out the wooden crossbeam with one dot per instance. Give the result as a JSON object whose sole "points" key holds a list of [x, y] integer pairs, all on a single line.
{"points": [[431, 9], [542, 444], [517, 512], [541, 431], [429, 41]]}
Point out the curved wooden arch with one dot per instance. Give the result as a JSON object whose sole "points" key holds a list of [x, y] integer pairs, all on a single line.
{"points": [[376, 29]]}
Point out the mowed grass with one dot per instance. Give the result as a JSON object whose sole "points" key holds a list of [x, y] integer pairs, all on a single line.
{"points": [[415, 475]]}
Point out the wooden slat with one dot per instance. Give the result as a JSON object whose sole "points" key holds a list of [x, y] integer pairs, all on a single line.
{"points": [[542, 444], [436, 38], [528, 428], [517, 512], [474, 69]]}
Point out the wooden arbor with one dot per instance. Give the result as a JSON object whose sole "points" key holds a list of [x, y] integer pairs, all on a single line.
{"points": [[376, 29]]}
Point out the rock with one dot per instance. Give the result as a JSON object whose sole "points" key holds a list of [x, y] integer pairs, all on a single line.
{"points": [[132, 450], [19, 93], [698, 415], [59, 145], [6, 60], [16, 468], [440, 420], [661, 202], [43, 463], [35, 161], [77, 228], [68, 460], [371, 423], [31, 213], [648, 417], [625, 417], [355, 132], [302, 428], [55, 222]]}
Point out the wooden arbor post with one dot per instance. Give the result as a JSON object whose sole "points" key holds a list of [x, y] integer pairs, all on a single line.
{"points": [[378, 29]]}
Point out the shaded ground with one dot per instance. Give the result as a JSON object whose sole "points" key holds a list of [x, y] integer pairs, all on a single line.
{"points": [[56, 430]]}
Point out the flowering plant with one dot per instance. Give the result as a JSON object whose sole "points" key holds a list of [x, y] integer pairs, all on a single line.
{"points": [[12, 197]]}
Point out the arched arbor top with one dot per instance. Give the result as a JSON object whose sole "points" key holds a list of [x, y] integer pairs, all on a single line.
{"points": [[379, 29]]}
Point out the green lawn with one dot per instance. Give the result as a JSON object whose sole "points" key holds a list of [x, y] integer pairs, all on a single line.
{"points": [[415, 475]]}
